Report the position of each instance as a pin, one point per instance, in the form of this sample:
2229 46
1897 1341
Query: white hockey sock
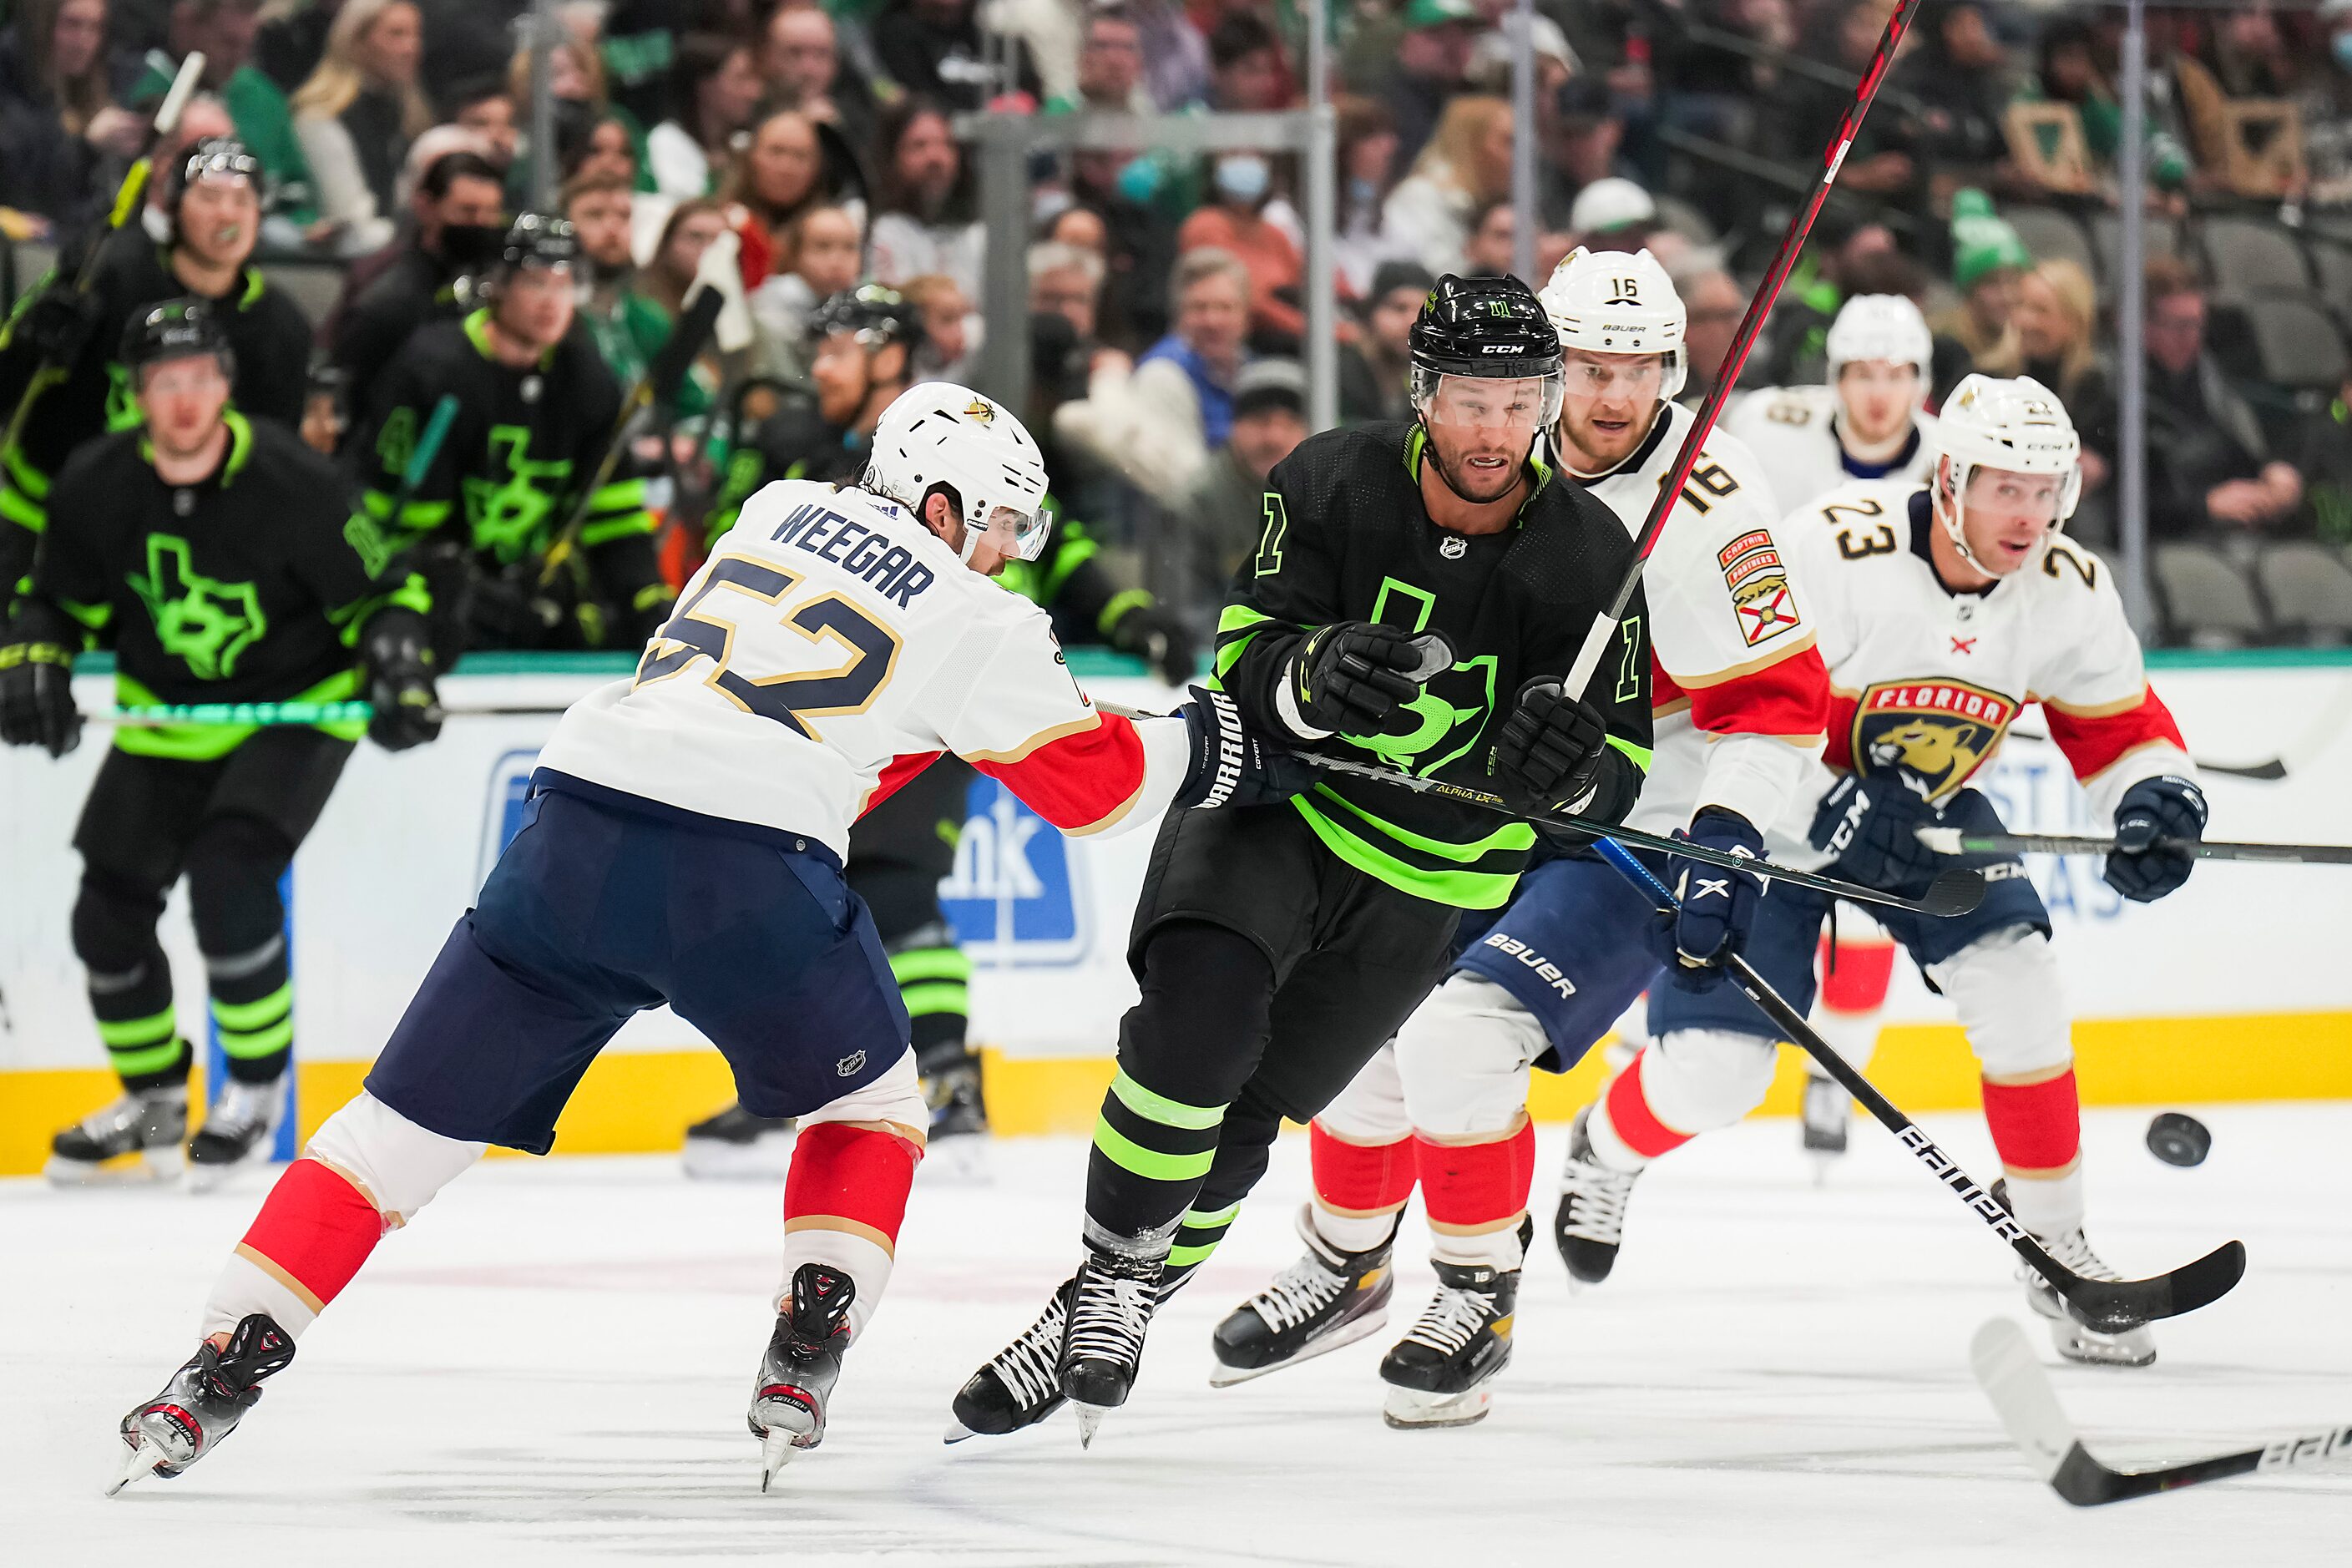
2048 1206
1350 1233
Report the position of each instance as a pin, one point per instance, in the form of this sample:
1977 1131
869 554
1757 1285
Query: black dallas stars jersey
1346 538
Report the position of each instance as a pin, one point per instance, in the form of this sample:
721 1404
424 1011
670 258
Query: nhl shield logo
847 1066
1938 732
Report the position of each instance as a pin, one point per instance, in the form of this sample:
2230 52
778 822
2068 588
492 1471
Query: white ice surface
551 1365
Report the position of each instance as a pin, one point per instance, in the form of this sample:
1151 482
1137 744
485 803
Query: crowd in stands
794 152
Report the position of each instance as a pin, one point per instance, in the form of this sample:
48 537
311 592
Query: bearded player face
1481 429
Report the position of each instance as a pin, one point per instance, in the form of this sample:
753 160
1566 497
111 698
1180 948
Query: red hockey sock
1855 977
846 1177
314 1232
1360 1179
1630 1116
2037 1127
1471 1187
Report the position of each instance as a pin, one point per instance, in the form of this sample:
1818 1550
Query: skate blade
1090 1416
957 1432
212 1178
2135 1349
153 1168
1411 1409
140 1462
1364 1328
777 1449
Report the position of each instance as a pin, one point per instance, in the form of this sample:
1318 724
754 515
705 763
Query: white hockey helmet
1616 302
1881 327
2017 425
939 434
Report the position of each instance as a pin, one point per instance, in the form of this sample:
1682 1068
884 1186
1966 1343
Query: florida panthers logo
1938 732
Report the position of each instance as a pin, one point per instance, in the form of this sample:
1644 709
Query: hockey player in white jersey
1943 610
683 845
1738 698
1867 421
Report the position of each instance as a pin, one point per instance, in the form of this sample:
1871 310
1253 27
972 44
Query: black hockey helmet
1484 327
538 240
879 316
177 329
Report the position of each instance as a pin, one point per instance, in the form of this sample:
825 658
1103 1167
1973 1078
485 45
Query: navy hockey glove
1234 765
1869 828
2153 809
399 674
1352 677
1548 756
1718 904
36 705
1160 638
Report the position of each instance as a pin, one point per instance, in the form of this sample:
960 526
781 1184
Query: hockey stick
1604 629
2108 1306
658 387
2012 1378
2269 772
270 713
1953 892
1954 841
133 191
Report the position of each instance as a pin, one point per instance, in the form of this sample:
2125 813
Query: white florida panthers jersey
1792 431
1737 689
1928 681
831 649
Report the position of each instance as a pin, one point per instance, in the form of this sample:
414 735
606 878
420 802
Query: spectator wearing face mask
457 218
1374 382
923 218
1235 221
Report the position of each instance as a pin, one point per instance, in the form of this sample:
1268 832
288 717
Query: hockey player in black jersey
536 408
211 547
60 343
1418 594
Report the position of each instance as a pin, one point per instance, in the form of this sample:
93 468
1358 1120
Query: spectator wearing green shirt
629 328
224 31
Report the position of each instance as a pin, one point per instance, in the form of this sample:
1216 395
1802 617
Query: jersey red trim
896 776
2095 742
1082 782
1788 699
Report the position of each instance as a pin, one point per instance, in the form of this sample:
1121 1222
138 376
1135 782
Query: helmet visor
1021 535
1476 402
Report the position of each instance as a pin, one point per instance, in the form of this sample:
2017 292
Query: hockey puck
2178 1140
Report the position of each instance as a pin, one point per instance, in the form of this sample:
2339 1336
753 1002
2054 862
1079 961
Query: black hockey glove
59 324
1718 904
1152 633
1548 756
399 675
2153 809
1869 828
1234 765
1351 678
36 705
508 611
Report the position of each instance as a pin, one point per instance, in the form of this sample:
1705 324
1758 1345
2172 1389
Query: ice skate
137 1138
802 1364
203 1402
735 1145
1019 1385
2075 1340
1111 1303
1325 1299
1823 1116
957 1149
1590 1224
240 1131
1441 1374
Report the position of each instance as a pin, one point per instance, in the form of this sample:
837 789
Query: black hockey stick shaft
1952 841
127 198
2109 1306
2012 1378
1735 359
1955 892
657 388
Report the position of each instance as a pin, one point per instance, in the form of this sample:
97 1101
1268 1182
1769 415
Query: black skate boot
136 1139
735 1145
1110 1309
1325 1299
1440 1374
1590 1224
802 1364
1825 1114
239 1132
204 1402
2074 1338
958 1146
1019 1385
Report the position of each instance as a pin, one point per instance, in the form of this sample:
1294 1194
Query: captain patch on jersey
1758 580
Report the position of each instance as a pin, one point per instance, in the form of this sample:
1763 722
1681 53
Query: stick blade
1954 892
2268 773
2113 1306
2012 1379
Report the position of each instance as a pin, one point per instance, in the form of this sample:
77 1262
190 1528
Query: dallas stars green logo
506 515
202 622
